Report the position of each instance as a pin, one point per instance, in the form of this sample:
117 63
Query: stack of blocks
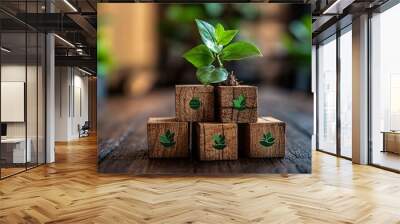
224 118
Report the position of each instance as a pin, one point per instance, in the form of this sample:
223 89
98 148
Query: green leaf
195 103
218 75
267 140
207 33
199 56
210 74
240 50
219 141
167 139
239 103
224 37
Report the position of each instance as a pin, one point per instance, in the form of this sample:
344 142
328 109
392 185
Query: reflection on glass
31 100
41 99
327 96
385 84
345 94
15 151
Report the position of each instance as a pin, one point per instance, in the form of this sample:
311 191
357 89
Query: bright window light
70 5
64 40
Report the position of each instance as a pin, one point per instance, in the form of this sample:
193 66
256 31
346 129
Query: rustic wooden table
123 147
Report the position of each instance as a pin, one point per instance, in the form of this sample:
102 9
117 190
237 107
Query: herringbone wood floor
71 191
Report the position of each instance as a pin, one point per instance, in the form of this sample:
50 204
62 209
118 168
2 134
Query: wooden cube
194 102
216 141
237 104
167 138
265 138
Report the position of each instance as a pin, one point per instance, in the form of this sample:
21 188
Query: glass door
385 89
326 98
345 93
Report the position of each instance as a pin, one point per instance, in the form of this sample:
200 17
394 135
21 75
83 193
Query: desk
15 148
391 141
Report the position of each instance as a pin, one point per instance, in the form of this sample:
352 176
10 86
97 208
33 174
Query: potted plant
235 102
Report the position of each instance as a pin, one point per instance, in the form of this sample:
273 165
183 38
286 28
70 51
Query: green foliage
195 103
223 36
219 141
239 50
208 36
211 74
167 139
199 56
298 41
239 103
267 140
217 47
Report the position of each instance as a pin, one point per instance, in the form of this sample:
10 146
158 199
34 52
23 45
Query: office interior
356 81
48 79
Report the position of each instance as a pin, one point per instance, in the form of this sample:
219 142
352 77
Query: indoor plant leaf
167 139
223 36
211 74
218 75
219 141
267 140
239 103
203 74
240 50
207 33
199 56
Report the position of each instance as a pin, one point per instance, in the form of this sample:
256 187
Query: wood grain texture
204 141
185 93
123 146
227 114
253 133
72 191
159 126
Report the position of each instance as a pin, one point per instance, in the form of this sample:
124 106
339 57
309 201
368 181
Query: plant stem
219 62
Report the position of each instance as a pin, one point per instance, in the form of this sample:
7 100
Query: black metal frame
337 35
387 5
44 70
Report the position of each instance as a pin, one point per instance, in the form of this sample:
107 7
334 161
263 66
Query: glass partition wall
345 91
334 83
327 95
22 98
385 89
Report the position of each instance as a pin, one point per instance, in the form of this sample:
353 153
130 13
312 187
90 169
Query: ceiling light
337 7
70 5
64 40
5 50
84 71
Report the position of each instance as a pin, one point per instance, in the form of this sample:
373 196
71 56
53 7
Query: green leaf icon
219 141
267 140
239 103
195 103
167 139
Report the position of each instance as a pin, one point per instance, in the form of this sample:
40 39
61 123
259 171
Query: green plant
195 103
217 48
219 141
298 41
267 140
167 139
239 103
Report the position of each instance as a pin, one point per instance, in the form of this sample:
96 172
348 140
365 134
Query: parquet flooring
71 191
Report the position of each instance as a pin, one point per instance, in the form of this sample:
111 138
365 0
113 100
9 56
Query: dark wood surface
122 145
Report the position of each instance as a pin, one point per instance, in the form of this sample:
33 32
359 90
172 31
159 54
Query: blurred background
140 46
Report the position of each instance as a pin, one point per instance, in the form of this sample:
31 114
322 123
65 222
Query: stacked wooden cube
224 120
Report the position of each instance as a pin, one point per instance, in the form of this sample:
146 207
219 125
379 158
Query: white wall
71 94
